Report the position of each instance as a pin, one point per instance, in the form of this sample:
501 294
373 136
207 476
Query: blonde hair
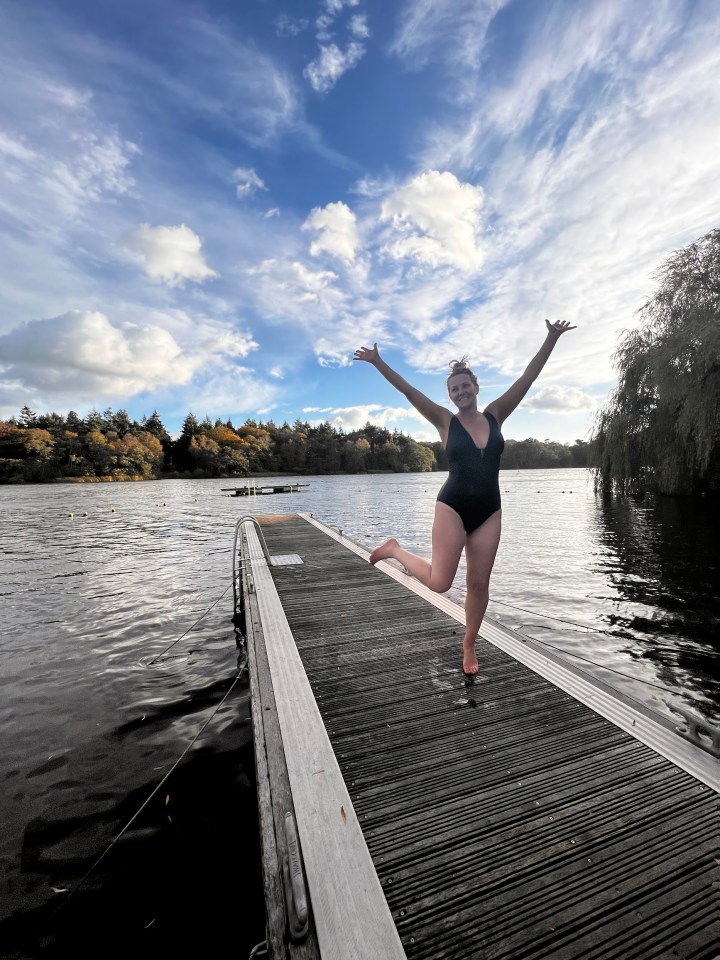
460 366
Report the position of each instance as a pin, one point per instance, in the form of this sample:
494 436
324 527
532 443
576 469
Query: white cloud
324 72
66 173
438 219
430 28
336 340
560 400
171 255
100 166
287 289
359 26
82 355
69 97
12 149
273 212
277 372
247 182
355 417
229 391
334 7
336 225
287 26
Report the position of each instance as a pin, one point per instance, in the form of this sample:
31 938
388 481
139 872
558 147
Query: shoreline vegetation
660 430
110 447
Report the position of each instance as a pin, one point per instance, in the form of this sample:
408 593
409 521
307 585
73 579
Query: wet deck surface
505 819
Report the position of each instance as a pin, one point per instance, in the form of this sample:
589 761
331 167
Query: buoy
112 509
71 514
85 514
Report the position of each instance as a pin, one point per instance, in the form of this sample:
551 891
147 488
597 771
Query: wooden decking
501 819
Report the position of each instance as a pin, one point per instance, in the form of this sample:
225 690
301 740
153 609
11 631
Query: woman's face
462 390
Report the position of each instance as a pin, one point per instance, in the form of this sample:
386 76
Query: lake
118 647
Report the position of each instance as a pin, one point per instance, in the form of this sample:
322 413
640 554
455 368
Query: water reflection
661 562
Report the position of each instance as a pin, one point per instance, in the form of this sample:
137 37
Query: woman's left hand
559 327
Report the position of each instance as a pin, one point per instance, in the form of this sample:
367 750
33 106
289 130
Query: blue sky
208 206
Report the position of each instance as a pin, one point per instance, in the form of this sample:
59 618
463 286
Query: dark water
118 648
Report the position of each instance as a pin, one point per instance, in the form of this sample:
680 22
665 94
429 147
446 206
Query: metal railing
237 581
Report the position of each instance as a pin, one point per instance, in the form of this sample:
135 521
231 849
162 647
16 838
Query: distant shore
248 478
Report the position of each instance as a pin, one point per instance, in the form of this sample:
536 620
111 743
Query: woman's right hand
367 354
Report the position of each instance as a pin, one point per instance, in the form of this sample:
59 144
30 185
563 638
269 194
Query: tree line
112 446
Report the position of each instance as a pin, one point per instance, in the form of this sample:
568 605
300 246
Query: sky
209 206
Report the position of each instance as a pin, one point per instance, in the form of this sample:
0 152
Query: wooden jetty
405 812
256 489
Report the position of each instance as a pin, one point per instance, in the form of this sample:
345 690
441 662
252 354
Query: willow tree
661 427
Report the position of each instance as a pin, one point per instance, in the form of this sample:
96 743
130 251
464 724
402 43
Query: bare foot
470 661
384 551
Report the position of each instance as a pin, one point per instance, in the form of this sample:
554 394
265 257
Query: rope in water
578 656
192 627
175 765
547 616
147 800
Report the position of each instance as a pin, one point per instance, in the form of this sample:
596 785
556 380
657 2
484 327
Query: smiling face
462 391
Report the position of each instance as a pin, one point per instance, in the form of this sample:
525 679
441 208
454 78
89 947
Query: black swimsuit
472 488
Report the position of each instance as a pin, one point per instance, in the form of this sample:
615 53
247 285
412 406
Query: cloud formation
247 182
336 226
287 26
170 255
324 71
83 355
560 400
355 417
438 219
428 29
333 60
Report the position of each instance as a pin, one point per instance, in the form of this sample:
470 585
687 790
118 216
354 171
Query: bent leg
448 540
480 552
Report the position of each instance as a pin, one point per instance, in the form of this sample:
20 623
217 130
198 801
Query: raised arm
438 416
504 405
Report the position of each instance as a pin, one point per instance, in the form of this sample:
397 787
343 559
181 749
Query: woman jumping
467 512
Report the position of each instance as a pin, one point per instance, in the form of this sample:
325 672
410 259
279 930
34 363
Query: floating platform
254 489
406 812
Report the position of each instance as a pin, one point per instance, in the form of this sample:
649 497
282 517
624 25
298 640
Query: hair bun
457 366
460 366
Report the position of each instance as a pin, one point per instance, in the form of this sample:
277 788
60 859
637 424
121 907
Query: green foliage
661 428
111 446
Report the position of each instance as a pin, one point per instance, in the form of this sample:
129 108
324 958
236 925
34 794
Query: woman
467 512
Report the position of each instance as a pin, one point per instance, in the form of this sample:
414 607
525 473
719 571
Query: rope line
583 626
602 666
145 803
546 616
192 627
